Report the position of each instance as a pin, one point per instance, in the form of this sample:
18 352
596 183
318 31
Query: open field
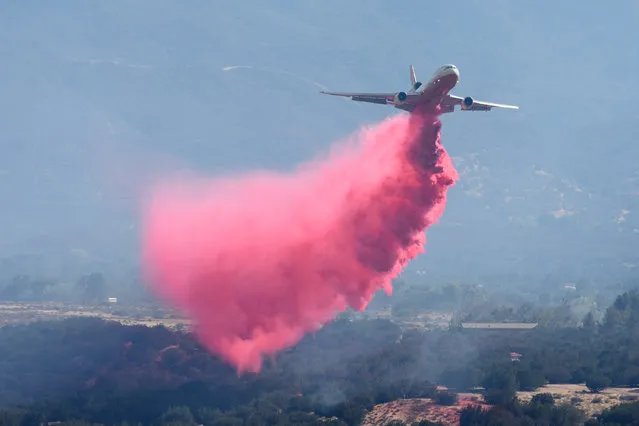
580 396
414 410
153 314
425 320
149 315
499 325
418 409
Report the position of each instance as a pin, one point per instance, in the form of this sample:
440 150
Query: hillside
352 371
98 98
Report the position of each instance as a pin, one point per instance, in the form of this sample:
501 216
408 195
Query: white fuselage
442 82
431 97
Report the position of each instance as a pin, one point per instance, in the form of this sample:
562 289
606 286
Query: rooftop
500 325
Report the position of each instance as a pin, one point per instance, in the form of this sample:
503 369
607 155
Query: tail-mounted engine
400 98
467 103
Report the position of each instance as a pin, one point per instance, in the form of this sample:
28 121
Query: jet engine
400 98
467 103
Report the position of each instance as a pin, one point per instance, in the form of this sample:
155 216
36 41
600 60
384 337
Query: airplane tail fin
413 77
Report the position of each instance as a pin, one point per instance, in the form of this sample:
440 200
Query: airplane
429 95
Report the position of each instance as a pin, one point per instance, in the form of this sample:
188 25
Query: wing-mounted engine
467 103
400 98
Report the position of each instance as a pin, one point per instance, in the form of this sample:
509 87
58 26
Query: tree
92 287
624 414
543 399
461 378
16 289
500 385
178 416
446 398
451 293
623 312
472 415
589 321
566 415
598 383
529 380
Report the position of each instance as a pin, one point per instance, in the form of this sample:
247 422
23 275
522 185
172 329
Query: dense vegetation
545 412
102 372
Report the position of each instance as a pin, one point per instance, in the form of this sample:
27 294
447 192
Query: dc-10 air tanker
427 96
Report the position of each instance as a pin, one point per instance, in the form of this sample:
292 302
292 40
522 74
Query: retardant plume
259 261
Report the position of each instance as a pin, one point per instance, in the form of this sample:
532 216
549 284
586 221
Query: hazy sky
98 97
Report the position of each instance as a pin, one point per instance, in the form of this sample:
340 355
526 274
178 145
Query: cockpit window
444 68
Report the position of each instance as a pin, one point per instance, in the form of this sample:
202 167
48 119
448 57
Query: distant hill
96 98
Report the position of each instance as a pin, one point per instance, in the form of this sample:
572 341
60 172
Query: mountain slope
97 98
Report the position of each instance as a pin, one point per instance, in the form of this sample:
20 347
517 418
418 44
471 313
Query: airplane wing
376 98
451 100
380 98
